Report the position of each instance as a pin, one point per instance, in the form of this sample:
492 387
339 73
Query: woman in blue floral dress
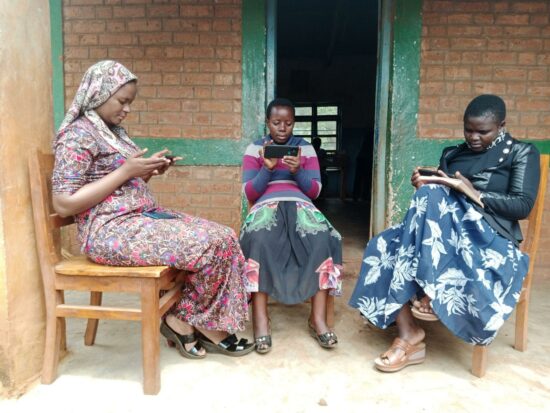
100 177
459 259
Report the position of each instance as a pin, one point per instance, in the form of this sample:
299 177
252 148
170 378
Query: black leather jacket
508 181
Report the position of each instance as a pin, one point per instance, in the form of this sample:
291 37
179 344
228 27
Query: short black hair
486 105
279 102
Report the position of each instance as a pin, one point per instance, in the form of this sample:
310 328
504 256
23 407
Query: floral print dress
115 232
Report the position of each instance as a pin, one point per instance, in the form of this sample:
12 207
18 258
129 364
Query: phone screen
428 172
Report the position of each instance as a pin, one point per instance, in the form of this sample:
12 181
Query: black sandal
230 346
263 344
178 340
325 340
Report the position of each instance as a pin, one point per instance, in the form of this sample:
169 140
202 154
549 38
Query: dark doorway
326 63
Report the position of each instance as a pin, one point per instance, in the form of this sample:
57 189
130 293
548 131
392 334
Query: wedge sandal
230 346
179 341
413 354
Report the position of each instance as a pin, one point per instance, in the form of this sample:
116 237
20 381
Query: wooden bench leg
91 328
522 318
330 311
479 360
150 335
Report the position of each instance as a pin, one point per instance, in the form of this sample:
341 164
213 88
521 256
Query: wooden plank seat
79 273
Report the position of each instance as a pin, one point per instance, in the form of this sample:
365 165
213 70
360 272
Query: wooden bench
530 247
79 273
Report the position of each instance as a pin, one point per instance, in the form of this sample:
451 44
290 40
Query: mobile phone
170 158
280 151
428 171
158 215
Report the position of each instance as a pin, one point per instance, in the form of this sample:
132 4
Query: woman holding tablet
292 252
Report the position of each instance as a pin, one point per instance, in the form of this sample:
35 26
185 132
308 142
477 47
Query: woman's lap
445 248
292 251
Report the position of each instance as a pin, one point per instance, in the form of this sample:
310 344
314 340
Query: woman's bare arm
93 193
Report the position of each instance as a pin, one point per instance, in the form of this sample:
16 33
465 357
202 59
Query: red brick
178 92
490 88
149 79
209 66
164 105
223 79
191 66
98 53
227 11
224 52
201 118
538 75
527 58
115 26
462 87
197 79
439 44
464 30
512 19
484 19
76 52
190 132
469 44
147 39
471 6
164 10
171 79
540 19
204 92
457 72
535 104
231 67
526 44
175 118
191 52
187 38
196 11
458 18
208 39
201 173
104 12
510 74
148 118
527 119
229 39
224 119
500 57
80 12
529 7
518 88
119 53
88 26
144 25
447 118
164 131
539 91
216 106
190 105
128 11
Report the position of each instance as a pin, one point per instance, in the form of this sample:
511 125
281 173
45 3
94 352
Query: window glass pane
327 110
328 143
326 127
304 111
302 129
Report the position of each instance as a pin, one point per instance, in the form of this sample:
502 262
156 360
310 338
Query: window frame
314 118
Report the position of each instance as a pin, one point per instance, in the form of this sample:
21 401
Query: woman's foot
422 309
319 330
224 343
404 351
261 322
182 335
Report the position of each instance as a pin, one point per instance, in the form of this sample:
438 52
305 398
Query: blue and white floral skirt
291 250
446 250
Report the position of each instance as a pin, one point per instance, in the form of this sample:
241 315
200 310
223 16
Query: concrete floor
299 376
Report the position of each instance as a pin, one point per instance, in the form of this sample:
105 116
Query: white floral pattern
472 274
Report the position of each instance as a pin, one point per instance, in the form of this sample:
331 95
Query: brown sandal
414 354
422 315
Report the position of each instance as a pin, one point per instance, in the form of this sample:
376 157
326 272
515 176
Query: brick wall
475 47
187 56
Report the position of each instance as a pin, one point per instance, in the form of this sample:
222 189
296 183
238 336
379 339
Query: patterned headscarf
99 83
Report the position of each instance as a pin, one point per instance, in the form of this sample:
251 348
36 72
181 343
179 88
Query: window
318 120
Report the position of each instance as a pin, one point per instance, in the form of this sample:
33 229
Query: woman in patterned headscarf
100 178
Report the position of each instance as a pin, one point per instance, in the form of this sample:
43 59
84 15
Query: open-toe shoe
263 344
422 315
412 354
229 346
325 340
179 340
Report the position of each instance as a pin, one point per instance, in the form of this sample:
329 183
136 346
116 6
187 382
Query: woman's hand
269 163
467 182
293 162
163 168
415 181
136 166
